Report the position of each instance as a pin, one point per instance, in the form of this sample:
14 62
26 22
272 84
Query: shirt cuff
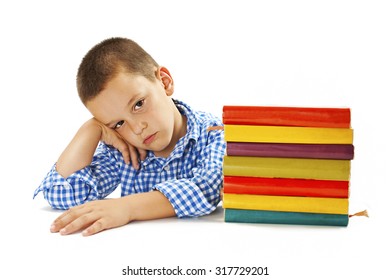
64 193
186 198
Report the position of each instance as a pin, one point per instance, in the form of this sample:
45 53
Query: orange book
287 116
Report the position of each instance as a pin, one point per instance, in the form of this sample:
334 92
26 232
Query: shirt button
166 168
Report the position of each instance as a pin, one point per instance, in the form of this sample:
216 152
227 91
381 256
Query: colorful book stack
287 165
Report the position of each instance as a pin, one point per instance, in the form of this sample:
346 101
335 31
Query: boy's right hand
112 138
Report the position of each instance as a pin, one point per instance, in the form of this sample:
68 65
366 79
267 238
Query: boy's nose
138 127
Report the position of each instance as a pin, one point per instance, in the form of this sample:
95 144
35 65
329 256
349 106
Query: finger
79 223
123 148
65 218
134 156
96 227
112 138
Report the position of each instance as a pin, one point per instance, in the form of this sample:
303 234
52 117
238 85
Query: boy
157 148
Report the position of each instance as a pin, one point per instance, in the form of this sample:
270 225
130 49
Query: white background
294 53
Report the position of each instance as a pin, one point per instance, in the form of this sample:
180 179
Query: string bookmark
361 213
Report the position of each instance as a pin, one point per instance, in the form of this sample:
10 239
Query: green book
278 217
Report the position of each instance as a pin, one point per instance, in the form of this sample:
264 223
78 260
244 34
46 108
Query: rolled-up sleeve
199 194
95 181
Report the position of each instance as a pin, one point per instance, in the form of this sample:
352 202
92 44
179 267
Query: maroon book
320 151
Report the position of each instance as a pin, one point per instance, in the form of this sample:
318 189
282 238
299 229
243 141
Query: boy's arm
197 192
83 173
78 154
96 216
193 196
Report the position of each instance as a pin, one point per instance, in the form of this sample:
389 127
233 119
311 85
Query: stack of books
287 165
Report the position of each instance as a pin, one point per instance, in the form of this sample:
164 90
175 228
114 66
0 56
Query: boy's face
141 111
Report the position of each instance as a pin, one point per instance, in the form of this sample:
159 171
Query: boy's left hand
92 217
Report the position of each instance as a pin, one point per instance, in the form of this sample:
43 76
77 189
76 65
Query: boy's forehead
122 82
121 91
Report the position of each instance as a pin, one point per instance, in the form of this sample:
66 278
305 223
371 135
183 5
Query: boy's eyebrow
127 105
108 124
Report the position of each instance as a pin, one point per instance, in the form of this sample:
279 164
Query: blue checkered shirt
191 177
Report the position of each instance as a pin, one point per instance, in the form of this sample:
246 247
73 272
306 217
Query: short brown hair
107 59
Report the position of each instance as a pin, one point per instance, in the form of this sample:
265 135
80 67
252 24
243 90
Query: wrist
92 127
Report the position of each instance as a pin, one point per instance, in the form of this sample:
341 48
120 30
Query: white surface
293 53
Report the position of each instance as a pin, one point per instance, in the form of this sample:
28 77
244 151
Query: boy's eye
119 124
139 104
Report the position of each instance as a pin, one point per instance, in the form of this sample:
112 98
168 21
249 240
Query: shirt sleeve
95 181
200 194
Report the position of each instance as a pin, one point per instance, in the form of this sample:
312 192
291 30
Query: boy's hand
129 152
93 217
80 151
96 216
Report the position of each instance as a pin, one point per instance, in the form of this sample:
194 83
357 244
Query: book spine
287 116
285 187
321 151
320 169
286 203
285 134
278 217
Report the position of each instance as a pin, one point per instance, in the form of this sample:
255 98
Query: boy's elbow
60 204
60 199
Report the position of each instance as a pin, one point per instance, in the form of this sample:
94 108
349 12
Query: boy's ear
165 77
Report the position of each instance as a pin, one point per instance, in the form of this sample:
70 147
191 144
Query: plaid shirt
191 177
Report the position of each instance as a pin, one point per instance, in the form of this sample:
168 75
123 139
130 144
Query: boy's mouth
149 139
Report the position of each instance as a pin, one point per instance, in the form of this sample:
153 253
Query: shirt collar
193 127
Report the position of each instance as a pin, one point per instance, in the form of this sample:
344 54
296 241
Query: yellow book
302 168
286 203
288 134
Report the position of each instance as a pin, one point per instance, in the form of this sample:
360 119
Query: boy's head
126 90
105 60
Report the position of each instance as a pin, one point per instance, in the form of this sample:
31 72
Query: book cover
278 217
323 151
287 134
298 168
285 187
287 116
286 203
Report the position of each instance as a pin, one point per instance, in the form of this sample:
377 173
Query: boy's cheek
127 136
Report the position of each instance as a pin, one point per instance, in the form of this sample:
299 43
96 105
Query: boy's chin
163 152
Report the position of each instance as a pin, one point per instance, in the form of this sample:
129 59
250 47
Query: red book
285 187
287 116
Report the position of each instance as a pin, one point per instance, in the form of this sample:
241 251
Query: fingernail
63 231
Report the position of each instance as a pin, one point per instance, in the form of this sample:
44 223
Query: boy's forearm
148 206
80 150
